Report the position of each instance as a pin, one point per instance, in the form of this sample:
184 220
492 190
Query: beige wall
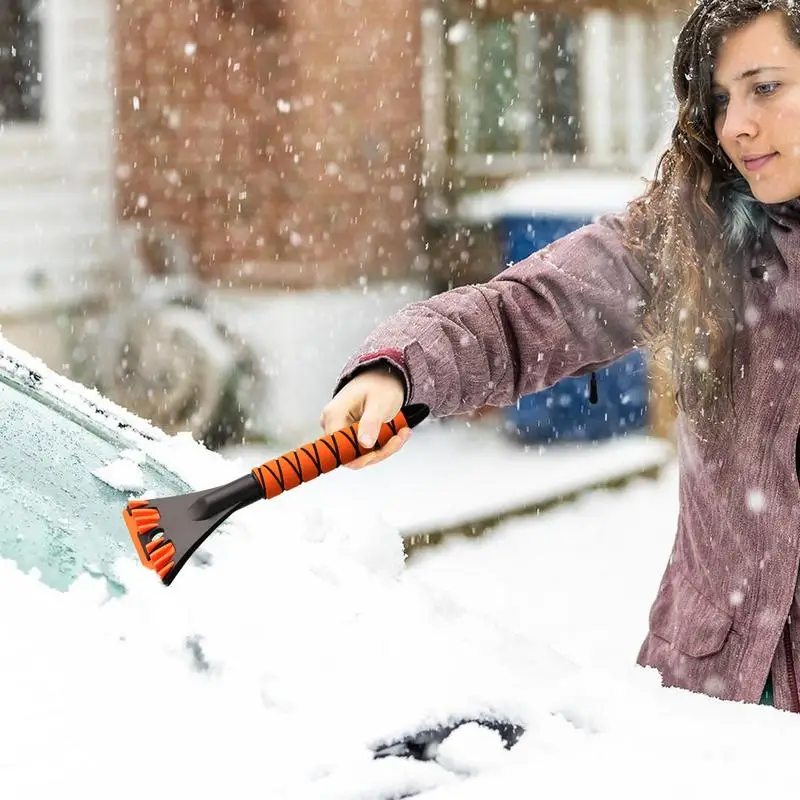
56 208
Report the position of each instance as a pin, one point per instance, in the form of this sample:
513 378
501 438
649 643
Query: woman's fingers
370 399
389 449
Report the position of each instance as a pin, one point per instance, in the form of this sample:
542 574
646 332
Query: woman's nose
739 121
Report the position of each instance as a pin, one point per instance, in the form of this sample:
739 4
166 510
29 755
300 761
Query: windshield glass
57 516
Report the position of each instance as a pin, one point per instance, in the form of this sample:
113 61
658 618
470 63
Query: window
518 83
20 61
508 94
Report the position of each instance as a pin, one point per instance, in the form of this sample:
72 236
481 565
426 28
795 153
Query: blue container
563 412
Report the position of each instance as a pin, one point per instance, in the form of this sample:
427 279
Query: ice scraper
167 530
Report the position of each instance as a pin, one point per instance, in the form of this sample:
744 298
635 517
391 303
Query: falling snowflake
755 501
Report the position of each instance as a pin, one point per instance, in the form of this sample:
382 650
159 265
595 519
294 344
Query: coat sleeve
572 307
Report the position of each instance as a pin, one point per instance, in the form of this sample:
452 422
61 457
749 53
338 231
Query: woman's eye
766 88
719 101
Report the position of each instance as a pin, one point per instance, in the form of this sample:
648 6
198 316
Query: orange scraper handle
328 452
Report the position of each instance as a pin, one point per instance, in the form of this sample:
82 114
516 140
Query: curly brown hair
698 227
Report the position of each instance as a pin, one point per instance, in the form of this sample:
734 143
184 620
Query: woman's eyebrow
749 73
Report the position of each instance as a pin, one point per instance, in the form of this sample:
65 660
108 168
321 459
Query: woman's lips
755 164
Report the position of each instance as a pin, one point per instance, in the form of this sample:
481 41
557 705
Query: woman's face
757 107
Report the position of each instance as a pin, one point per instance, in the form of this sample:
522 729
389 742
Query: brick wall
283 137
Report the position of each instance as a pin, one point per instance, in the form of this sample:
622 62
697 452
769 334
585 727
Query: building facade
309 158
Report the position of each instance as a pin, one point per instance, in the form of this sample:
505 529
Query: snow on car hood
276 668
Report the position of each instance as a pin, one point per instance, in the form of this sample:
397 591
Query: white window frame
619 141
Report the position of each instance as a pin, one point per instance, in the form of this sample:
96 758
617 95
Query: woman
706 264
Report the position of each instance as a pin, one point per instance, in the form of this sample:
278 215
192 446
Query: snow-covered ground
458 471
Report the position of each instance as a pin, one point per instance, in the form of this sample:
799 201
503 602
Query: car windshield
57 516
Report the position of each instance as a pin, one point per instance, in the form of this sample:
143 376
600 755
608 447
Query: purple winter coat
725 612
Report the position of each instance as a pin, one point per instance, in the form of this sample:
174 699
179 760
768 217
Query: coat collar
785 214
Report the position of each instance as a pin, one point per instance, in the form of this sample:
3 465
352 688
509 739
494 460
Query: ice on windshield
59 517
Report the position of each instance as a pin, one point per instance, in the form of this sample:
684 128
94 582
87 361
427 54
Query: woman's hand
371 398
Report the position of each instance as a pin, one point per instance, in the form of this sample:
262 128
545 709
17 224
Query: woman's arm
574 306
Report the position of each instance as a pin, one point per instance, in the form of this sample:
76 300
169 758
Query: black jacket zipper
793 693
